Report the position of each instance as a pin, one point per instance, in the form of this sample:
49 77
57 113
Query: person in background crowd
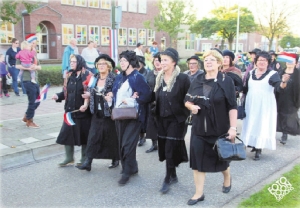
251 66
288 101
69 50
96 46
3 73
194 67
211 99
154 49
151 131
130 89
10 60
89 54
139 49
102 141
234 73
144 72
259 125
170 89
71 135
274 64
148 59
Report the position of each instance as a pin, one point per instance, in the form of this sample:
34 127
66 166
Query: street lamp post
237 30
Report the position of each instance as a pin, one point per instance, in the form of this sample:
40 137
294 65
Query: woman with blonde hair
148 59
211 100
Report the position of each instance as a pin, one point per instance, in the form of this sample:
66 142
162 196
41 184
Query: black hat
193 57
255 50
172 53
107 58
271 52
131 57
138 44
229 53
141 60
216 49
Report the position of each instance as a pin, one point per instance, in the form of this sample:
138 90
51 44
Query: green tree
9 12
224 23
173 14
294 41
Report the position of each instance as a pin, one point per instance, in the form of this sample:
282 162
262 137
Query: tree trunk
222 44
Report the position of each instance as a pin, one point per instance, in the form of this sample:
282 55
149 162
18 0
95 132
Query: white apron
259 126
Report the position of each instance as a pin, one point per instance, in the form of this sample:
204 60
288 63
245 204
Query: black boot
142 139
257 154
153 147
83 150
114 163
87 165
173 178
283 138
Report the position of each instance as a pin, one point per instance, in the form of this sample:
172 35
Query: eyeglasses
262 60
193 63
16 43
123 60
212 60
101 64
73 62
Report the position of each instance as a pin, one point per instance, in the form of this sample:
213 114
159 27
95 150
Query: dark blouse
274 80
164 106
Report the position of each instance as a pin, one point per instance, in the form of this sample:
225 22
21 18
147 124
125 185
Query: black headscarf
80 64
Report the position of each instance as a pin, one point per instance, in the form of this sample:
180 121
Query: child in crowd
3 73
26 57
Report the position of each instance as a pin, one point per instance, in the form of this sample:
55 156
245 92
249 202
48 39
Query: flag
43 94
68 119
286 57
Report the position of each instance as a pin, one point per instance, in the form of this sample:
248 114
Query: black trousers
3 85
128 135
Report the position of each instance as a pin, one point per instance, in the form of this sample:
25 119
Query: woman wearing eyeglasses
259 126
102 140
211 99
130 89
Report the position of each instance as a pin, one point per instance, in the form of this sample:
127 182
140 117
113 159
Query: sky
203 8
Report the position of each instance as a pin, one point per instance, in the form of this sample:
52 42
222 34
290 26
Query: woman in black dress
211 99
170 89
70 136
288 102
102 140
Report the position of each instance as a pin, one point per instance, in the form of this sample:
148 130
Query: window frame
70 35
96 35
140 8
149 42
145 36
105 1
7 40
85 4
126 37
67 3
101 36
190 41
89 1
132 8
124 2
132 44
76 35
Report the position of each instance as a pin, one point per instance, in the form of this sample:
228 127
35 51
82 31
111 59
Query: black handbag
228 151
124 113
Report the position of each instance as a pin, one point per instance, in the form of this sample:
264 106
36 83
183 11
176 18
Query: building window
67 33
132 37
68 2
206 47
94 33
81 34
6 32
80 3
142 36
151 37
94 3
123 4
105 4
143 6
105 35
122 37
132 6
189 41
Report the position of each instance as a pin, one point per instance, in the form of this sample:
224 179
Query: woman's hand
135 95
86 95
108 98
54 97
194 109
83 108
285 78
231 134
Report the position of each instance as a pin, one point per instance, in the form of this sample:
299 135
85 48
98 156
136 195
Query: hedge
50 74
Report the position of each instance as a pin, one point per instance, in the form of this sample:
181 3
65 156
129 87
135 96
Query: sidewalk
20 145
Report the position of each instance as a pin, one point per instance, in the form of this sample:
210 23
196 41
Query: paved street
30 176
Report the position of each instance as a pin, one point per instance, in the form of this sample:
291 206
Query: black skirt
75 135
103 139
171 144
288 123
203 157
151 132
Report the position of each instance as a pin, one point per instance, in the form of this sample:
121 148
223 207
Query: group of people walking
164 98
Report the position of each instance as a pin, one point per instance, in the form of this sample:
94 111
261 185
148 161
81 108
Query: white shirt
90 56
138 52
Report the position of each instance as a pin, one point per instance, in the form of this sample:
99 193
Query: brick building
57 21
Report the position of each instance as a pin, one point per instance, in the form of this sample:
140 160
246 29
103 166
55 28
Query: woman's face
262 63
102 66
211 63
16 44
167 63
73 63
124 63
226 60
157 64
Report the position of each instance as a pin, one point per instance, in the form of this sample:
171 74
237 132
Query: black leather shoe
142 141
152 148
283 138
253 149
195 201
257 154
124 179
226 189
115 163
173 179
165 187
87 165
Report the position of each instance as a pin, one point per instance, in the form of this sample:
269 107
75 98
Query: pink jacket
25 56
